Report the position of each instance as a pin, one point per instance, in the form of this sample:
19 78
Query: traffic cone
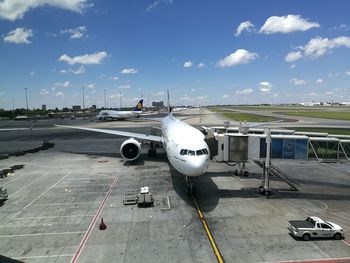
102 225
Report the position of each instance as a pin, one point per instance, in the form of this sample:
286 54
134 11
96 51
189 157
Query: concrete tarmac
56 203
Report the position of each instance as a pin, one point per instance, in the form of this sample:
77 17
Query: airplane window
190 152
205 151
199 152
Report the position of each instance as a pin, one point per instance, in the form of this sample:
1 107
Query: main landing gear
190 187
152 151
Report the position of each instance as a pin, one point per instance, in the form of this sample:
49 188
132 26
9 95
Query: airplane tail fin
169 108
139 106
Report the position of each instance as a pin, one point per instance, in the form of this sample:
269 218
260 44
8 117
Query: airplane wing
140 136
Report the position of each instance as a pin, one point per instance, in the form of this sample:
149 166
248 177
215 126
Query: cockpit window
183 152
190 152
199 152
205 151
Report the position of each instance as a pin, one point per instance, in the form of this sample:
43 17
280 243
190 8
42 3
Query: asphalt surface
56 203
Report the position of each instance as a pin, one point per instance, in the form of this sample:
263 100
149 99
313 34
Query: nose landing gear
190 186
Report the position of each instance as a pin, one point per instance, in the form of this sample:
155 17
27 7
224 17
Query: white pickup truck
315 227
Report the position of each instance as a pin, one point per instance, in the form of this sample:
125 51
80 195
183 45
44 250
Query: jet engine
130 149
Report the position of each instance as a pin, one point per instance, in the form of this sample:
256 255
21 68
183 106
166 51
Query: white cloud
19 36
202 97
124 87
201 65
347 73
286 24
76 33
319 80
265 86
293 56
129 71
57 93
292 66
192 90
329 93
64 84
225 96
44 92
240 56
32 73
188 64
157 94
92 86
93 91
113 78
333 75
297 82
243 92
185 98
95 58
80 70
244 26
15 9
156 3
318 47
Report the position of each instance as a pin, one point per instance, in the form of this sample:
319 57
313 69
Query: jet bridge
261 148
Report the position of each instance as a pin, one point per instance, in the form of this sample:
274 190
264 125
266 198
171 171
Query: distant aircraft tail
139 106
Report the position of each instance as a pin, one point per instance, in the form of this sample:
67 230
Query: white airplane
121 115
184 145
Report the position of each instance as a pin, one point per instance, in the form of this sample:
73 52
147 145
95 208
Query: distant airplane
121 115
184 145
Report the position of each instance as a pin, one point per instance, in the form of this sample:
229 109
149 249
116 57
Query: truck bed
301 224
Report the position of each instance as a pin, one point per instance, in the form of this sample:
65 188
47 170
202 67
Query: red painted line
347 242
93 222
330 260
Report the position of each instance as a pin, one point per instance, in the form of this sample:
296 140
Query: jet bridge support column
266 181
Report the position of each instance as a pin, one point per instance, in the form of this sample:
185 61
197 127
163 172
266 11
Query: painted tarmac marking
326 260
80 185
77 203
74 193
87 178
43 193
44 166
210 236
48 256
93 222
347 242
47 217
28 185
14 179
43 234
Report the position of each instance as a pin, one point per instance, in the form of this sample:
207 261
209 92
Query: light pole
13 104
27 101
83 101
104 93
120 100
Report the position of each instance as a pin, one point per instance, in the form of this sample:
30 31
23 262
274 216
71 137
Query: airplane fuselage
185 147
117 115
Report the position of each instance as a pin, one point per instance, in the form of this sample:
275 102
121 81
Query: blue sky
204 52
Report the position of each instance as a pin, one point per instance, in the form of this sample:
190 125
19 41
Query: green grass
320 114
326 130
238 116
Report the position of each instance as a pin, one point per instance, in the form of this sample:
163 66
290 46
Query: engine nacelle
130 149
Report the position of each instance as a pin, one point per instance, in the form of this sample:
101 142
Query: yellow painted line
207 230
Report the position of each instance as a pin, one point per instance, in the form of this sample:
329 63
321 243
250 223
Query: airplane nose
198 167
